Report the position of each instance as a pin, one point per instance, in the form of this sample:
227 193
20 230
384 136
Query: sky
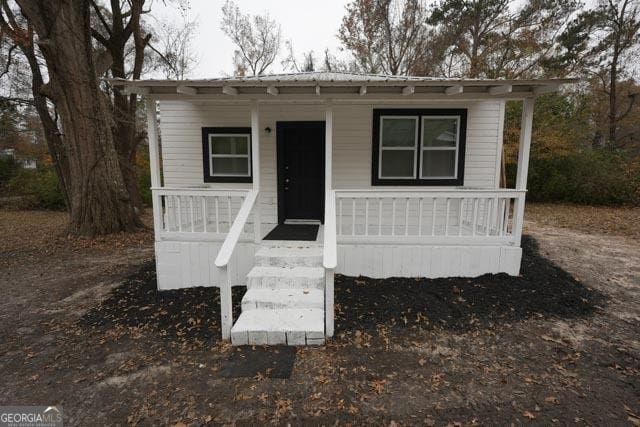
310 25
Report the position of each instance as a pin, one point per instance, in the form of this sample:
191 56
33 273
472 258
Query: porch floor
306 232
272 242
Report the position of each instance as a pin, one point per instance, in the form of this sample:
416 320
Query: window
398 146
418 147
440 136
226 154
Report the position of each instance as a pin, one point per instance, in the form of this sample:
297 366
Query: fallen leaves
632 417
283 407
619 221
378 386
552 399
551 339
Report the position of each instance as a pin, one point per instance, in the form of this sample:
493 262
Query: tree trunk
125 107
52 134
99 202
613 101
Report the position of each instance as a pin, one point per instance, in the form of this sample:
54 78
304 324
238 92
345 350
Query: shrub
9 167
590 177
41 184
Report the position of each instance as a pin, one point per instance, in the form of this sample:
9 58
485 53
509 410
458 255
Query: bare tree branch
258 38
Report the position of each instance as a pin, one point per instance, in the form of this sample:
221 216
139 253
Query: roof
341 84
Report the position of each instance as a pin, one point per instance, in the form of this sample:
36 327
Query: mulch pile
180 315
463 304
193 315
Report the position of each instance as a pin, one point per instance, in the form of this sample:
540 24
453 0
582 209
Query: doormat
268 362
294 232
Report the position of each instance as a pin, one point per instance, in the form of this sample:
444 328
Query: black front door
300 171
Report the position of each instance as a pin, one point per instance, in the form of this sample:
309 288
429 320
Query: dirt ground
83 327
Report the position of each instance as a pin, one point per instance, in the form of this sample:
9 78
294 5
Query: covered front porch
214 234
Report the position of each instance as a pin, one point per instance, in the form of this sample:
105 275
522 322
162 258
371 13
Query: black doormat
294 232
268 362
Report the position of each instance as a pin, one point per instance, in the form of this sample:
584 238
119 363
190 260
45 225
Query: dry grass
31 233
616 221
22 230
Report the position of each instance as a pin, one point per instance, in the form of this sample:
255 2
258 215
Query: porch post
255 168
525 144
154 163
329 223
524 149
328 148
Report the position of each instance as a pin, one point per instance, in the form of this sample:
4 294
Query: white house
278 182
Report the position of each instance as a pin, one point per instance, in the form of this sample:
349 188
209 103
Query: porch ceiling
339 86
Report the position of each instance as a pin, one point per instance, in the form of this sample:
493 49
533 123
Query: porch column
154 162
524 149
525 144
329 223
255 169
328 148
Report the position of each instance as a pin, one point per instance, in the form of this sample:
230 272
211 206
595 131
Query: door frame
281 126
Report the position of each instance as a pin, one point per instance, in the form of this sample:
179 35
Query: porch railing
462 216
186 213
223 258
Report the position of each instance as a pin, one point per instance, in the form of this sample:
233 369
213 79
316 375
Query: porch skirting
382 261
188 264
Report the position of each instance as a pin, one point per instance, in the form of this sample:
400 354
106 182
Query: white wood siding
181 138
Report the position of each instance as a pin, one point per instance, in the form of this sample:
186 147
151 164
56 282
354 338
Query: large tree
498 38
20 35
118 30
603 42
257 39
388 36
98 199
173 46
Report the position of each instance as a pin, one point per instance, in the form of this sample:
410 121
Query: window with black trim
418 146
226 154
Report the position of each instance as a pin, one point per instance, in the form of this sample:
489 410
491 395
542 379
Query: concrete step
281 326
286 277
278 256
262 298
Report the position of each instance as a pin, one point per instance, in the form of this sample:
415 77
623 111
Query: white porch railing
447 217
223 258
207 214
188 213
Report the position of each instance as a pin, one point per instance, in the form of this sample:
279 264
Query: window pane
230 144
439 132
438 163
230 166
398 132
397 164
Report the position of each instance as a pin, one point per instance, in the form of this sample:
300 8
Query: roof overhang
400 88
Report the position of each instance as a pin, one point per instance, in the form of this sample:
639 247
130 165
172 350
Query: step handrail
229 245
329 254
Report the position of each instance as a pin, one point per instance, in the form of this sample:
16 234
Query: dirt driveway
82 326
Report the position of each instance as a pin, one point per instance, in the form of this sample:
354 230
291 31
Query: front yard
82 326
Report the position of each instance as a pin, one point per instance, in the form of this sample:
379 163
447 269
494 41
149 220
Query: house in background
8 152
25 163
279 182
